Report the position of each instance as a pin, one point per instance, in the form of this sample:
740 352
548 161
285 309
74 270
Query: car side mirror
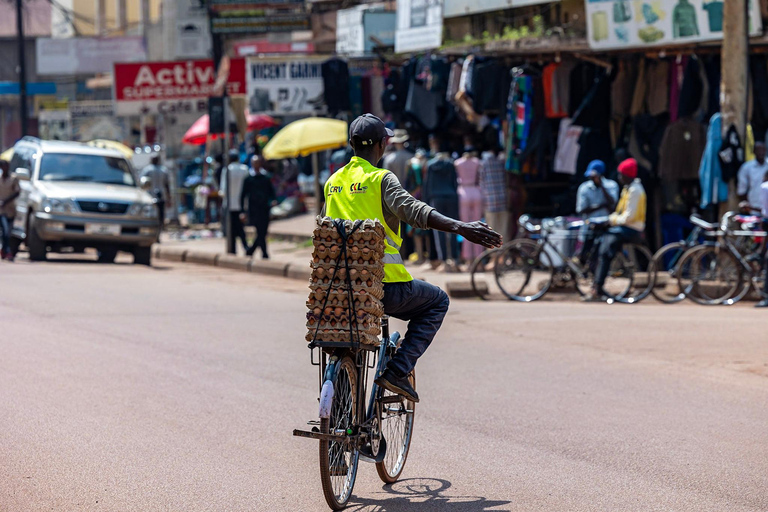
22 174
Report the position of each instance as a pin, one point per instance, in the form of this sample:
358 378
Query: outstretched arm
476 232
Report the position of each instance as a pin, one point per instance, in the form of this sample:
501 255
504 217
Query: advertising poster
628 23
96 120
285 86
174 87
419 25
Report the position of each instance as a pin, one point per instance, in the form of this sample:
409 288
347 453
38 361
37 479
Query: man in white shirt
751 176
232 179
158 183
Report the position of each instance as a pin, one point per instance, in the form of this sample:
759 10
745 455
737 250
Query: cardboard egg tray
329 316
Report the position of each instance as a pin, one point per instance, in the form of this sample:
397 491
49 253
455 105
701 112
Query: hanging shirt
751 177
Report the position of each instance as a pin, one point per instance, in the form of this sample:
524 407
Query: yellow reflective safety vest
354 193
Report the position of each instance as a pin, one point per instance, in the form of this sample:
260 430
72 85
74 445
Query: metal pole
231 249
24 112
318 189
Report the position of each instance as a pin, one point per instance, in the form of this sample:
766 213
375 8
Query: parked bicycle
358 421
526 269
724 271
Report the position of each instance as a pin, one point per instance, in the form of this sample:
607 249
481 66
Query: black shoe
762 304
399 385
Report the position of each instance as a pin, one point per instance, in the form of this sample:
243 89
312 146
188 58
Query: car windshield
90 168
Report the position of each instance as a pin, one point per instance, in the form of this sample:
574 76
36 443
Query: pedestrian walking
257 198
9 191
154 178
232 189
414 182
397 160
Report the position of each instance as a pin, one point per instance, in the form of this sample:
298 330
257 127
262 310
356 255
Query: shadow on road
422 494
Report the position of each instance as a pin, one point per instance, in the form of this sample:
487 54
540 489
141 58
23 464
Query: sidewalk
290 252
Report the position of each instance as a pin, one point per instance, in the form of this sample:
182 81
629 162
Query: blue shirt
590 196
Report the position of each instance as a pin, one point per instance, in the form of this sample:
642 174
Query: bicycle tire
621 276
337 488
391 467
519 269
667 261
637 257
708 266
488 253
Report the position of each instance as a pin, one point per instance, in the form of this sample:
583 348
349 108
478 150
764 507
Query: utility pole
734 89
22 69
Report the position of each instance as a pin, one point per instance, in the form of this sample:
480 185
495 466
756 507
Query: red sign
143 86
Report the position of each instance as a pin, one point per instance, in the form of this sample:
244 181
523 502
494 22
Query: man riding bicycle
362 191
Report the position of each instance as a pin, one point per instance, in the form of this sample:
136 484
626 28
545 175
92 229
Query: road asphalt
177 388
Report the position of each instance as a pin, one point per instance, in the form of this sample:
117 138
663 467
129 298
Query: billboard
419 25
96 120
454 8
356 29
638 23
86 55
285 86
171 87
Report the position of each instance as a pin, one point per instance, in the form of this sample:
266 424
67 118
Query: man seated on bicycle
595 198
362 191
626 224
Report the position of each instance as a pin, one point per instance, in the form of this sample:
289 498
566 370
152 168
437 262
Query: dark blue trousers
612 242
424 307
5 229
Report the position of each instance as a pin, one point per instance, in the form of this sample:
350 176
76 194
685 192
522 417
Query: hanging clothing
691 90
713 189
681 150
519 118
490 83
676 75
731 154
470 200
454 79
555 104
567 147
336 85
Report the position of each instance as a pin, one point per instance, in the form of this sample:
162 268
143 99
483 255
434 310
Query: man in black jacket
257 197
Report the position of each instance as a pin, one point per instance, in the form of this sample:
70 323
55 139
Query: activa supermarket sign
171 87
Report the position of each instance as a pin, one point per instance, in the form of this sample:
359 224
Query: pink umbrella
198 132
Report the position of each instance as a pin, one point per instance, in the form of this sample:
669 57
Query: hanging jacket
713 189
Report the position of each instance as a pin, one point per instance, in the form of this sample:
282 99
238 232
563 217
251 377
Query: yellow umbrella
306 136
7 154
111 144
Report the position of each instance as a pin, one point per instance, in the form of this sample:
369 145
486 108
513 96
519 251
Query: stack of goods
330 316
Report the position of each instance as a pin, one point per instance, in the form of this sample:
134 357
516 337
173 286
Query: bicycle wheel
665 268
479 267
524 272
339 459
712 275
397 428
636 260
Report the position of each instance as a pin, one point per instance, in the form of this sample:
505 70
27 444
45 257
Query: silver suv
78 196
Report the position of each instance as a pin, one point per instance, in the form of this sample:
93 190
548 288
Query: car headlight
59 206
148 211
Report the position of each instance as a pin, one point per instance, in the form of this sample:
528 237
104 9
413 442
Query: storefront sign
638 23
358 29
171 87
419 25
455 8
260 24
244 5
96 120
280 86
86 55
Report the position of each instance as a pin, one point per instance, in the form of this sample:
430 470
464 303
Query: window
87 168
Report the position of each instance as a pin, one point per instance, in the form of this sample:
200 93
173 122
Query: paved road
176 388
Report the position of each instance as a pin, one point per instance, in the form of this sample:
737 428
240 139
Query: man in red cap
626 224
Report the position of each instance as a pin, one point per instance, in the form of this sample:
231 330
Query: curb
269 268
201 258
233 262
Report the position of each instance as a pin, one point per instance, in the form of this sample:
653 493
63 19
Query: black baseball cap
368 130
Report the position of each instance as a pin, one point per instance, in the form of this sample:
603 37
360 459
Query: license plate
102 229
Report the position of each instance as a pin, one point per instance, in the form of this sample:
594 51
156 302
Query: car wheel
36 245
107 255
142 256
